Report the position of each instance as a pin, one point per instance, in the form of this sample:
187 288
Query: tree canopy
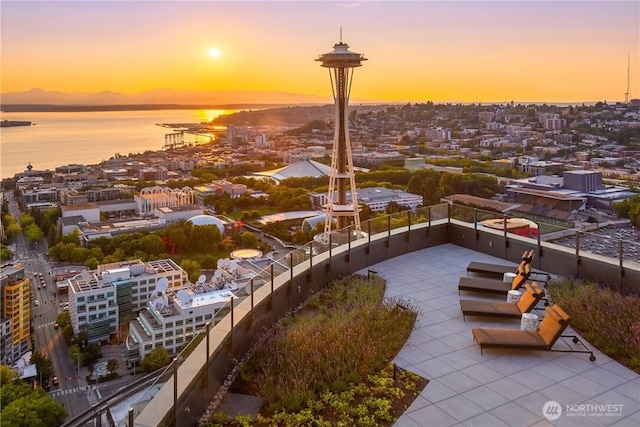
158 358
23 406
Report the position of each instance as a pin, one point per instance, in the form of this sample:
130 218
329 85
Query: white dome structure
207 220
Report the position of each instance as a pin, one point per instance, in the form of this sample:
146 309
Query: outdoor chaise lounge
496 271
550 330
492 286
531 297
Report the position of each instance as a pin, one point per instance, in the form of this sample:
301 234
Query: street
49 341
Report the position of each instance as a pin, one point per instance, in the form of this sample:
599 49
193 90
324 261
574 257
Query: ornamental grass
318 358
607 319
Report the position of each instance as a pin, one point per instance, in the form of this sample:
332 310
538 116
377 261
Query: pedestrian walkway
92 397
62 392
502 387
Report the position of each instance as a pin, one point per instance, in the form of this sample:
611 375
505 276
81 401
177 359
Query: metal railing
193 381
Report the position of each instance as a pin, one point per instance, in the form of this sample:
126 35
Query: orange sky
417 51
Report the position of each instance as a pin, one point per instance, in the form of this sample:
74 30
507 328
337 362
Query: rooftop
502 387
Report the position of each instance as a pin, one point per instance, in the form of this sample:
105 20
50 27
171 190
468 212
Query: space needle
341 63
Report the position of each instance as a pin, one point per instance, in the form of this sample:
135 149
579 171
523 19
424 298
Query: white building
173 317
377 198
103 299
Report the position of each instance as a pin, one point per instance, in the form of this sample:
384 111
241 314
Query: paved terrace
502 387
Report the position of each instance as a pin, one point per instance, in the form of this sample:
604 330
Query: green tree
158 358
12 229
52 235
12 392
209 262
91 354
33 233
5 253
7 375
112 365
152 244
35 410
63 319
192 268
43 365
248 240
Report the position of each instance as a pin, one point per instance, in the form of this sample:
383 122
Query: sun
214 53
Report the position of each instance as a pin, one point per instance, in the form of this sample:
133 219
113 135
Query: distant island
13 123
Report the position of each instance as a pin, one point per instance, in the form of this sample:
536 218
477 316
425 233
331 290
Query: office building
102 300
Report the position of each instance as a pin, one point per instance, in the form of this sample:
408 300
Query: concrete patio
502 387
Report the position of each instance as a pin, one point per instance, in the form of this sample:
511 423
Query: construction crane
626 94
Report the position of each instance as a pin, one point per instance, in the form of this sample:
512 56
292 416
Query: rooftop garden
607 319
329 362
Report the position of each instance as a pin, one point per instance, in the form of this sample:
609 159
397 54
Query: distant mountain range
38 99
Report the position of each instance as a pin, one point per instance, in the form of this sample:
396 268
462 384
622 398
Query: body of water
62 138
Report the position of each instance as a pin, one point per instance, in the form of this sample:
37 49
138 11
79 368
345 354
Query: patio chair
496 271
527 302
492 286
550 330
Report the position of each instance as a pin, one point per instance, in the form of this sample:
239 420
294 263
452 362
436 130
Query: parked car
55 381
56 326
36 303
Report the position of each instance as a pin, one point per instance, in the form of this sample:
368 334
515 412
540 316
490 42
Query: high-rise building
341 62
15 315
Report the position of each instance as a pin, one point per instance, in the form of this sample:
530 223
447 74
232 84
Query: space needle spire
341 62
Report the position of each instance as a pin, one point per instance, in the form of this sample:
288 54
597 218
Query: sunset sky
466 51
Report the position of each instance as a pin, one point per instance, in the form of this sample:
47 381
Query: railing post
252 297
429 215
175 391
208 352
310 255
131 418
232 322
475 228
506 239
349 238
369 230
206 360
620 253
291 266
577 253
539 248
409 220
271 295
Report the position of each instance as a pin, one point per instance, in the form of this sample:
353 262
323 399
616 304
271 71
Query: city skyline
442 51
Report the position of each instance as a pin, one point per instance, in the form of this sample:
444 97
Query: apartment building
15 313
103 299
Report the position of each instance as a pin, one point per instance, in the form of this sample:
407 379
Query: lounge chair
492 286
496 271
531 297
550 330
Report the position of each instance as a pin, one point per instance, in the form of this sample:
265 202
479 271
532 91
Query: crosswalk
92 398
62 392
92 395
45 325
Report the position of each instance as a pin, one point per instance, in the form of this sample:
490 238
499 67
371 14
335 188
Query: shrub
608 320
